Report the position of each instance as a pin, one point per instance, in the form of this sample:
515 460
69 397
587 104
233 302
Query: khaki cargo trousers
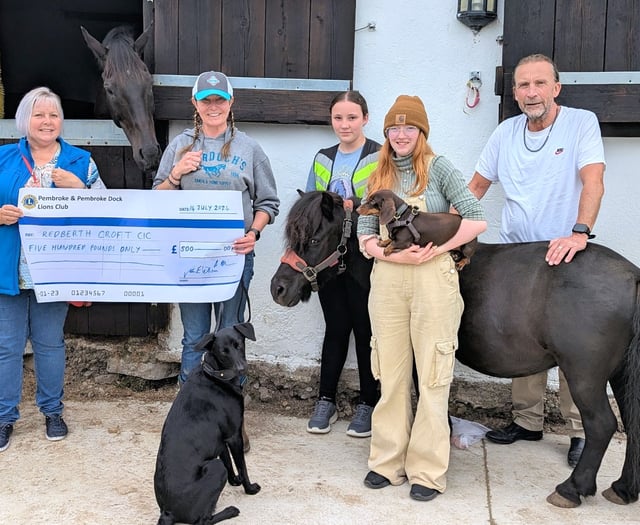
415 314
527 394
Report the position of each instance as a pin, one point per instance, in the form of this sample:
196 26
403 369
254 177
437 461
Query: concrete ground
103 473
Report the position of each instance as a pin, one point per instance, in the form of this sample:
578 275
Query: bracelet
256 232
174 184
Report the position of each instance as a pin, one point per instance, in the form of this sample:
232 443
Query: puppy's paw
252 488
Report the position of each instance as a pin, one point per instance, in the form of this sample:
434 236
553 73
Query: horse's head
128 90
314 230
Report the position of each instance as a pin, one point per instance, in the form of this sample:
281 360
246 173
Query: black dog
203 425
406 225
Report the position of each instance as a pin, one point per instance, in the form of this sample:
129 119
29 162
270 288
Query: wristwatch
583 228
256 232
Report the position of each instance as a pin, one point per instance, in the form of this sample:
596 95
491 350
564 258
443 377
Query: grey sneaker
323 415
5 435
56 428
360 425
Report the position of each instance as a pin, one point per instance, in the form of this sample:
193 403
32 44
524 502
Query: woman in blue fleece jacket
40 159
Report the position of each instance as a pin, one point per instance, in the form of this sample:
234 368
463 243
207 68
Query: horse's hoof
560 501
611 495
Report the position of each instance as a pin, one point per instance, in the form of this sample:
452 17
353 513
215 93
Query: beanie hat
212 83
407 111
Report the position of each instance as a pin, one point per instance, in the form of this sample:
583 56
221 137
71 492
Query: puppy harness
398 222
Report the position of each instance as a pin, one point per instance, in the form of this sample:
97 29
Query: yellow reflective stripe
360 177
323 174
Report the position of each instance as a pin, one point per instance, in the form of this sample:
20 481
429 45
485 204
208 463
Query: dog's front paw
252 488
227 513
234 480
389 250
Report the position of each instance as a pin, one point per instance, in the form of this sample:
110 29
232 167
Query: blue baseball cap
212 83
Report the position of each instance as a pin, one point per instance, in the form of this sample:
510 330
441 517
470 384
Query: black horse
521 317
128 92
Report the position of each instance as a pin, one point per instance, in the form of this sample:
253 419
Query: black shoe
511 433
373 480
575 451
422 493
56 428
5 435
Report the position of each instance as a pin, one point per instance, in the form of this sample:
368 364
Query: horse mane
305 217
122 57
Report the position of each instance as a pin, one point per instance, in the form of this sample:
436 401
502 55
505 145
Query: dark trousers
344 305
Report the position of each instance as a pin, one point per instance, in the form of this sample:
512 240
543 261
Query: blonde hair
385 175
197 126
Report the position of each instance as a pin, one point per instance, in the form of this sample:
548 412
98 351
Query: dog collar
403 207
221 375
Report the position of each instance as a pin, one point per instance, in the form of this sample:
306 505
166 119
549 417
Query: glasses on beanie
409 131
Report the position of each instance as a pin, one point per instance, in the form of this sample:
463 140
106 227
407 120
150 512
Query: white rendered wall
430 56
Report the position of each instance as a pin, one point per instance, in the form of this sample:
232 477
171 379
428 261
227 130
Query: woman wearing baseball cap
199 158
415 308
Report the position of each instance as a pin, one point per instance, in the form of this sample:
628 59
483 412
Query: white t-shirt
542 187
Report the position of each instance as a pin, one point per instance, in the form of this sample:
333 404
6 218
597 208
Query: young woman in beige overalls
415 308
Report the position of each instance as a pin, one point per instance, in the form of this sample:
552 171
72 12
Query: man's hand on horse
564 248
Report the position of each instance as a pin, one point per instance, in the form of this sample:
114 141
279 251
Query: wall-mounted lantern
477 13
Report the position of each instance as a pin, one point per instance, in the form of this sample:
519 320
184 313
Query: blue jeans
22 318
196 319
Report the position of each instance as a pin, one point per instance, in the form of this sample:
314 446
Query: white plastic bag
465 433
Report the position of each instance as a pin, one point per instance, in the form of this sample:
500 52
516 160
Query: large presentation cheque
132 245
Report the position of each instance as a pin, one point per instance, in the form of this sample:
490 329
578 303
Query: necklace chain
524 134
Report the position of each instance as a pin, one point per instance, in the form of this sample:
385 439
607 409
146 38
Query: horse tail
632 398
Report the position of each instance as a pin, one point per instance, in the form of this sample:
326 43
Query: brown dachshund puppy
407 225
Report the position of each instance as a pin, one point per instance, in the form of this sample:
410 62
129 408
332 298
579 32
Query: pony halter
336 257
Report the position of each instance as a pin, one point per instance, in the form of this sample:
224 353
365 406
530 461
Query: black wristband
173 183
256 232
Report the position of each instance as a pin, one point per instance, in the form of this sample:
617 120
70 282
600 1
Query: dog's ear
387 211
246 329
300 192
205 342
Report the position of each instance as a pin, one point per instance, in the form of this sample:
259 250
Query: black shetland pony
128 92
521 317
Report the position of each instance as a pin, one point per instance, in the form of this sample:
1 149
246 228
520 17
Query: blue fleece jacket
13 176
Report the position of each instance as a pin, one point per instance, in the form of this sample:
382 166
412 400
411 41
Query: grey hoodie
246 169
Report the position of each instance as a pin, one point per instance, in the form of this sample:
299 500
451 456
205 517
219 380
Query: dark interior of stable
41 45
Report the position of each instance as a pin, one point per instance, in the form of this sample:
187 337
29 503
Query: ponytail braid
227 145
197 126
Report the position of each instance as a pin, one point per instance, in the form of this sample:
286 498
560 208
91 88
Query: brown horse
128 92
521 317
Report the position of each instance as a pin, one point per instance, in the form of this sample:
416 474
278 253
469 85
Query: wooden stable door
598 37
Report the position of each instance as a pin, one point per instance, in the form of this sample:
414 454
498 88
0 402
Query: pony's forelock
305 218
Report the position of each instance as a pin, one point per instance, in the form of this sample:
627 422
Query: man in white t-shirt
550 162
